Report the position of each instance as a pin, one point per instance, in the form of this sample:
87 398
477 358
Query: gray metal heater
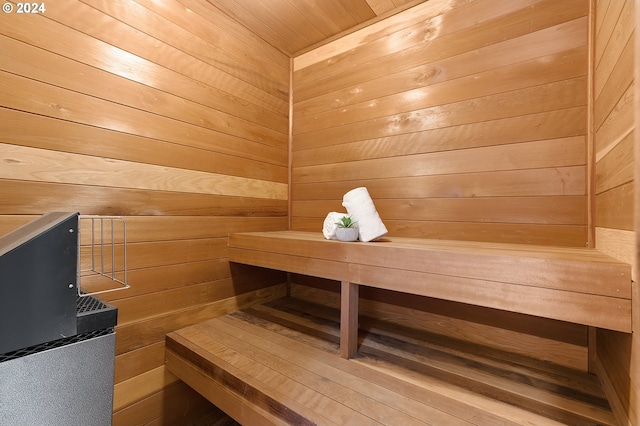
57 346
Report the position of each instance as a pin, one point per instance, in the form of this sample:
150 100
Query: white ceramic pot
347 234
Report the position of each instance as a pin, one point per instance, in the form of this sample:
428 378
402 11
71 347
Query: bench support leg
349 319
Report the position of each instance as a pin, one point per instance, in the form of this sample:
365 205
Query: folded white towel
360 206
329 227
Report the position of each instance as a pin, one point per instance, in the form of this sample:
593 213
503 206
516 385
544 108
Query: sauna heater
57 344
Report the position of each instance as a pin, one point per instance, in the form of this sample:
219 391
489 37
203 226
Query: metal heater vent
53 344
89 304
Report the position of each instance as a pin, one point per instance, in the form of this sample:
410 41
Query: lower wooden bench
578 285
264 379
279 364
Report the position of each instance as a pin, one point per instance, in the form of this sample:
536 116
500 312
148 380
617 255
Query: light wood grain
618 123
616 208
59 103
531 155
53 134
376 30
452 79
616 168
31 197
538 182
422 45
547 210
567 94
83 78
42 165
471 135
474 81
613 38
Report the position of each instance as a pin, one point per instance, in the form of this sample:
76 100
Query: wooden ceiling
293 26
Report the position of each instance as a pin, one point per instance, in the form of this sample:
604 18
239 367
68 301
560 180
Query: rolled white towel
329 227
360 206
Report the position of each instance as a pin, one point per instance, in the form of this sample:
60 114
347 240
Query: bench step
279 364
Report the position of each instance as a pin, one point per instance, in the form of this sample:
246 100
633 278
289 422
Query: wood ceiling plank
380 6
293 26
244 14
360 10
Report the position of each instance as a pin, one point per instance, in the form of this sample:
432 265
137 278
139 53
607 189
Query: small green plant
346 222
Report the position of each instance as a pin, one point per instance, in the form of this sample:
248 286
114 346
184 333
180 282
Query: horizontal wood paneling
615 121
33 164
449 119
173 116
452 33
529 182
22 197
150 331
493 232
555 210
179 404
527 155
50 133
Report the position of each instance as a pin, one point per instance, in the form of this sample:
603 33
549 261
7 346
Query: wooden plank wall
175 118
615 121
465 120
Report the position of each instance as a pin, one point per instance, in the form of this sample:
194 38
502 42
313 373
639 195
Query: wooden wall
176 119
615 119
465 120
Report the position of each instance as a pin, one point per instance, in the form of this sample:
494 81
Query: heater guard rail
103 245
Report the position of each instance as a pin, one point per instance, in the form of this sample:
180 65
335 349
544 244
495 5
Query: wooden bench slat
439 401
577 285
577 269
230 402
589 309
317 319
495 380
197 350
339 388
343 397
276 373
385 392
562 395
310 266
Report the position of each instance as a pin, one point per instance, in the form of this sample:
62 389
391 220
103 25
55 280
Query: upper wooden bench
578 285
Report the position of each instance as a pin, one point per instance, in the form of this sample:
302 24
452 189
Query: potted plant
347 229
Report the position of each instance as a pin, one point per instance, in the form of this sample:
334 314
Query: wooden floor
399 376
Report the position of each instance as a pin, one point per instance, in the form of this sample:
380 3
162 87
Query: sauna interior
484 121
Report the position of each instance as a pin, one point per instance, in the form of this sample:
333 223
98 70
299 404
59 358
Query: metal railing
105 243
